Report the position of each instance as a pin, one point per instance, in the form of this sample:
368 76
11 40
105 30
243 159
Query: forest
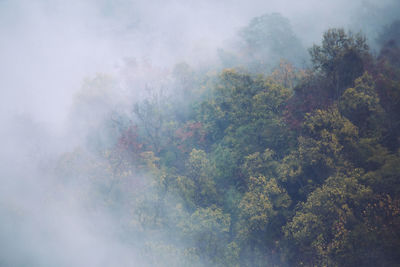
265 164
271 154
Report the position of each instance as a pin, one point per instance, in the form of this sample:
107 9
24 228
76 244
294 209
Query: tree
261 164
151 114
341 58
324 148
261 216
362 107
197 187
268 38
322 230
260 205
388 89
208 229
285 74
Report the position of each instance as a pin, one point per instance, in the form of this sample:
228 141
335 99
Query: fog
48 49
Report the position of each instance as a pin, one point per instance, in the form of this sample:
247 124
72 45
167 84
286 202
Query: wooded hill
290 167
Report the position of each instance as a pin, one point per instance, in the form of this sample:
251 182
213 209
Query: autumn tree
323 229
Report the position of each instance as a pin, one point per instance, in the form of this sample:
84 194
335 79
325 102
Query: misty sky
48 47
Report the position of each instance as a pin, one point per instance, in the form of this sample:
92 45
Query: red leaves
129 140
191 134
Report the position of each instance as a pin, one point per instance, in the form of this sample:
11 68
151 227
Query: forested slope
291 166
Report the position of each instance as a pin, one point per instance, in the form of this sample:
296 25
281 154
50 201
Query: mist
72 41
70 74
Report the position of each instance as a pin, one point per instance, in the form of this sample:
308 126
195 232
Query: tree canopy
299 167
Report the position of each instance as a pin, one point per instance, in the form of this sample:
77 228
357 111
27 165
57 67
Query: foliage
341 58
263 43
295 168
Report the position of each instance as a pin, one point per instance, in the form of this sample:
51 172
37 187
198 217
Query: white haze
48 47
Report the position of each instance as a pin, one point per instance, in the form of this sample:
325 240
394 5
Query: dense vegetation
292 167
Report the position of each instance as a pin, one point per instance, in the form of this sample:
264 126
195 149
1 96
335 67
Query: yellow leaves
326 151
187 190
260 164
363 95
285 74
384 212
150 161
328 137
208 229
303 226
329 120
198 160
197 187
261 203
290 167
271 99
325 214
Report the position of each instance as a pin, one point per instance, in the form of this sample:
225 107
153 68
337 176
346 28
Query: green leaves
260 209
340 59
197 187
208 230
242 171
361 105
267 39
322 226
